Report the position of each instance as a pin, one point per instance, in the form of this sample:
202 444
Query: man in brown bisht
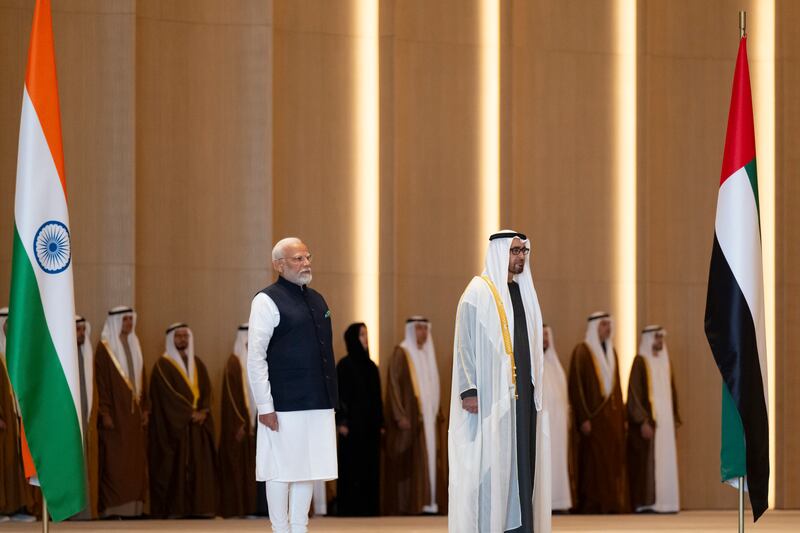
16 496
596 399
88 413
183 480
237 440
415 479
652 419
122 417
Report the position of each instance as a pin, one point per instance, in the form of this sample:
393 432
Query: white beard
299 279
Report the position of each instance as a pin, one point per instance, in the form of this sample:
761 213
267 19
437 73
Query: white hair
281 245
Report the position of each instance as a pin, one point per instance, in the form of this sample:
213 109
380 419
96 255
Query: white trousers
288 505
320 499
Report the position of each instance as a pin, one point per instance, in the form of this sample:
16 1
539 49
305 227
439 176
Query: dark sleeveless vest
302 370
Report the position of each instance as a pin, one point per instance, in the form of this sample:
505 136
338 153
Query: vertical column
366 146
203 177
316 165
762 29
490 116
787 312
563 153
439 235
625 197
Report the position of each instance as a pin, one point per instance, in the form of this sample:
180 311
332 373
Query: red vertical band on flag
40 80
740 139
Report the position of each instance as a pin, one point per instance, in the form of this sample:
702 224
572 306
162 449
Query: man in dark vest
293 378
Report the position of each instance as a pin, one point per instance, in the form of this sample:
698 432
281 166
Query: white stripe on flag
40 198
739 237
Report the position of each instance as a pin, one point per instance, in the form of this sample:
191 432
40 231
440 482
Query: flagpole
742 33
45 515
741 504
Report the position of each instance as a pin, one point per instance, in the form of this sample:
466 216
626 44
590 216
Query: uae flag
42 351
734 321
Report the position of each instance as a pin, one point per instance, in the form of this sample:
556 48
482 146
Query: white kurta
484 487
304 447
556 404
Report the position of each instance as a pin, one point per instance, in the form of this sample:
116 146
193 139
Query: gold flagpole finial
742 24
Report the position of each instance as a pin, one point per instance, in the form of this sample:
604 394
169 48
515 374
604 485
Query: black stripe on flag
732 336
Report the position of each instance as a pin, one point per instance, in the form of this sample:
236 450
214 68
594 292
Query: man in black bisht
359 421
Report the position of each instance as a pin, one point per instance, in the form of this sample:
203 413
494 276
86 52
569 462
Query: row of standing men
174 424
149 445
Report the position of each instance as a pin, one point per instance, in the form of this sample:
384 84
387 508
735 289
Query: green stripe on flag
733 463
750 168
48 409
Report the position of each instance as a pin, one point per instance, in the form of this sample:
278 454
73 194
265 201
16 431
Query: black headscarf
353 343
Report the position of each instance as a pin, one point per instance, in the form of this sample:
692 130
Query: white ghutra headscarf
496 268
604 360
240 351
110 338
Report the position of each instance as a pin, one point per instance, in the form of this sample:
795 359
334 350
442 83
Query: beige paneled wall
787 168
15 22
95 56
437 241
561 143
314 149
204 169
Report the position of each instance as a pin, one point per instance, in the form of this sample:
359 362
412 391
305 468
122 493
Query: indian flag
42 347
734 319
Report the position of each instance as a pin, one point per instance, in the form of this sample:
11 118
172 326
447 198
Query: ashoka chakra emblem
52 247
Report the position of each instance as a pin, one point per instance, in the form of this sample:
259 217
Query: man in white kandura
499 448
292 374
652 419
556 403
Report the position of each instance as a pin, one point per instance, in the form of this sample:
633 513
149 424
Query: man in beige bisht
599 415
414 466
123 417
237 439
183 461
499 435
652 419
556 403
88 412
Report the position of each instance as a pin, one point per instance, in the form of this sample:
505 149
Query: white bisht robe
484 485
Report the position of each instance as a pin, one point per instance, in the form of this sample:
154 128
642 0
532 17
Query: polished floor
686 522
